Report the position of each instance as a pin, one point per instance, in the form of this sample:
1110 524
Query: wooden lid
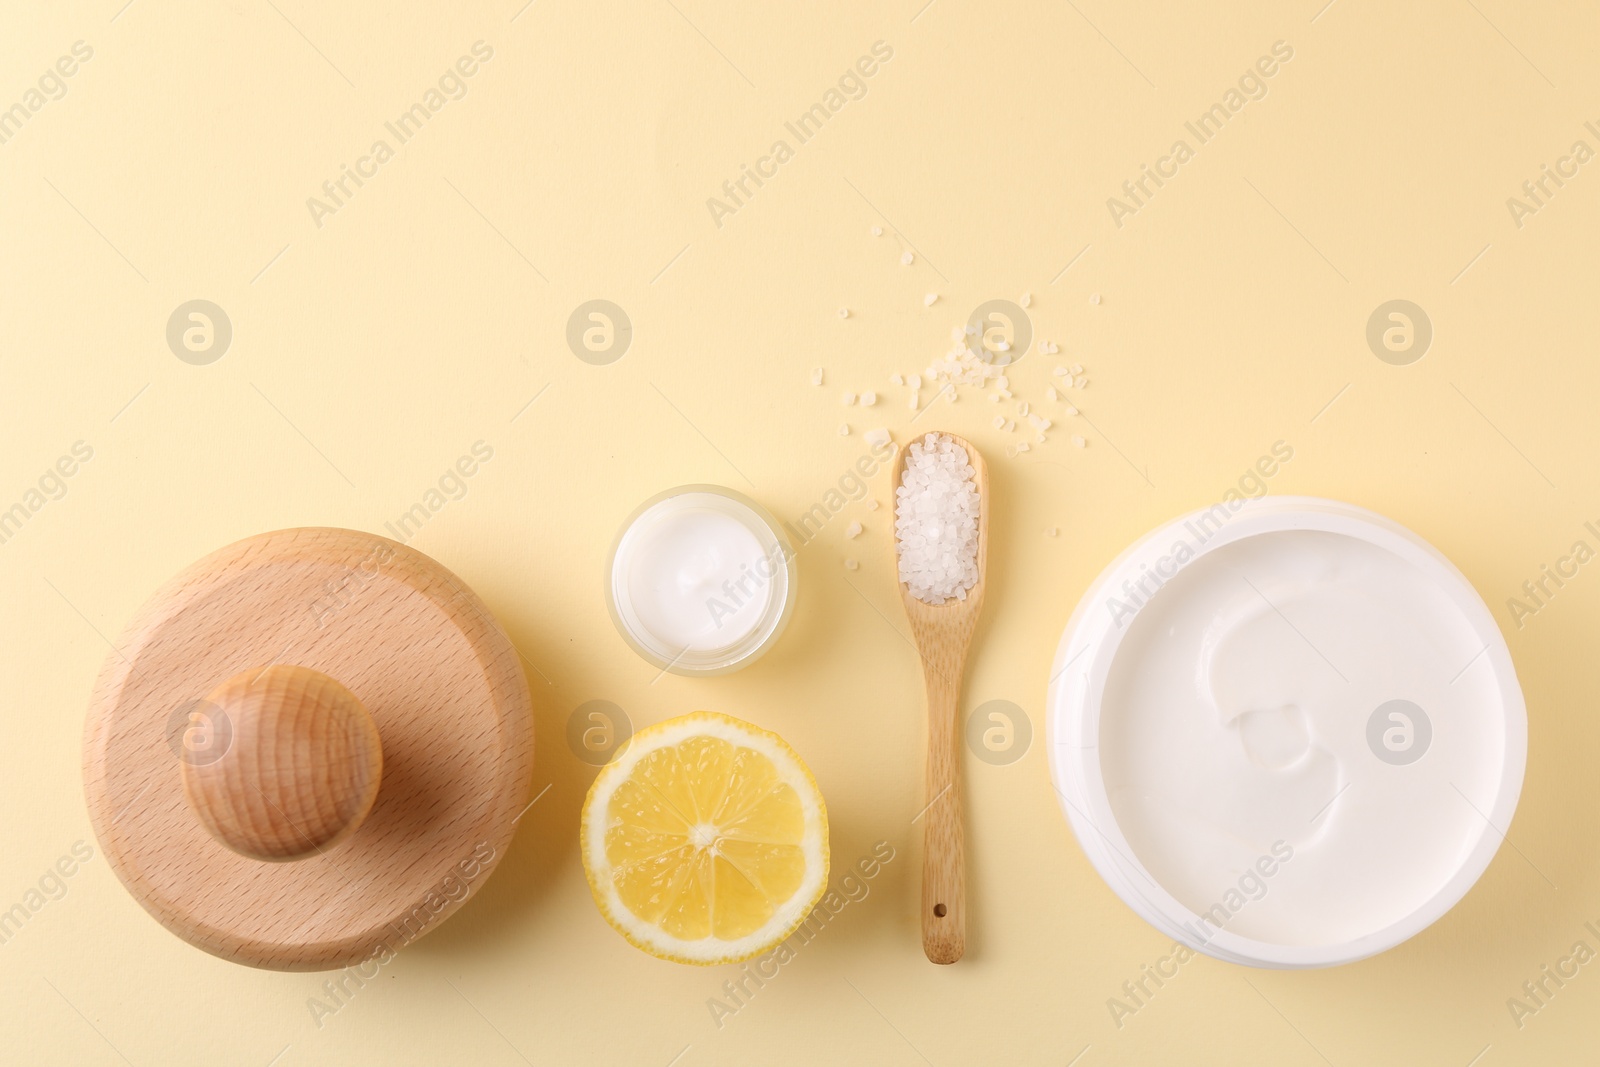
416 649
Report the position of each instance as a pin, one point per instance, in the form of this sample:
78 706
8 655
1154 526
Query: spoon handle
944 921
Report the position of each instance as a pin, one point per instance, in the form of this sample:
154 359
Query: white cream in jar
700 580
1287 733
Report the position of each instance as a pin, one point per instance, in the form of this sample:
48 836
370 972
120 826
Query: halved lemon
706 840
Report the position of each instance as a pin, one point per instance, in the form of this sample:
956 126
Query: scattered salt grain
1080 442
1011 424
1002 382
907 258
915 381
1042 439
1027 300
1022 407
1061 372
994 398
949 394
848 399
877 231
872 505
999 422
929 299
851 565
1052 531
1050 394
1077 368
936 520
895 379
816 375
844 429
1071 410
844 313
868 399
853 530
915 402
957 333
877 438
1022 446
1095 299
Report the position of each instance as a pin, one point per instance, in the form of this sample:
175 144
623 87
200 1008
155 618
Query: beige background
424 315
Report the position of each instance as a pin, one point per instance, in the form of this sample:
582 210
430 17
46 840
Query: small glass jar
700 580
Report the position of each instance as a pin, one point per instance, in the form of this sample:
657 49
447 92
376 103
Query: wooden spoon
942 633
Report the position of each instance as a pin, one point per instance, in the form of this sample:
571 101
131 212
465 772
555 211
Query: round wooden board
421 652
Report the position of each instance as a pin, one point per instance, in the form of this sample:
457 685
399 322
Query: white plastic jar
1287 733
700 580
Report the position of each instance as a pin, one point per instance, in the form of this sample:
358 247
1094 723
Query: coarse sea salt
936 520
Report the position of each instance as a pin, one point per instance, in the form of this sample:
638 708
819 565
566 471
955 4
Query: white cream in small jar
701 580
1287 732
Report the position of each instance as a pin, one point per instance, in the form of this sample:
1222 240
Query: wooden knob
293 765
